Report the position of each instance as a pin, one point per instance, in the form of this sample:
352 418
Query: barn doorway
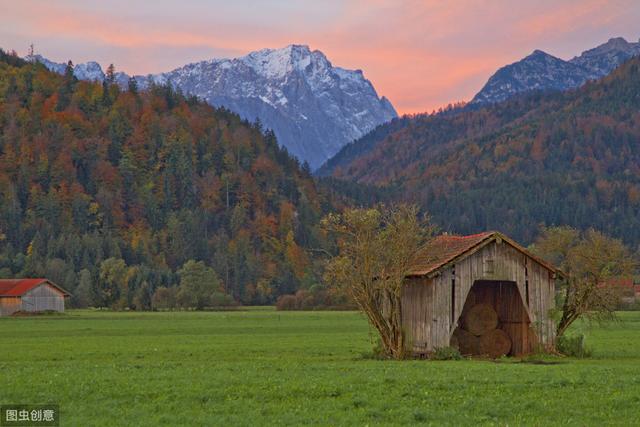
494 321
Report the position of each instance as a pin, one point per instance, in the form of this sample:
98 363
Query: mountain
558 158
541 71
91 70
603 59
110 192
538 71
313 107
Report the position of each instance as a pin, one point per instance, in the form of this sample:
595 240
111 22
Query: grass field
262 367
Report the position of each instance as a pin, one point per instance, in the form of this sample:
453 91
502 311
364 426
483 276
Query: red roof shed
30 295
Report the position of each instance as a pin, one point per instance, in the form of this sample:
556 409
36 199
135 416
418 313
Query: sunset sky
420 54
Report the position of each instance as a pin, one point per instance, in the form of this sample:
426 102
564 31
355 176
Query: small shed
486 279
30 295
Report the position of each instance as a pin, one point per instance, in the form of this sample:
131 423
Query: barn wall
495 262
417 313
44 297
9 305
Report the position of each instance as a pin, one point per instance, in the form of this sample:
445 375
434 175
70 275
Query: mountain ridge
542 71
313 107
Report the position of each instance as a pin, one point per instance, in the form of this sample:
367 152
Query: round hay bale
453 342
480 319
467 342
495 343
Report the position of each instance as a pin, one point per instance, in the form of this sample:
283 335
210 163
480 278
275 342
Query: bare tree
588 260
376 250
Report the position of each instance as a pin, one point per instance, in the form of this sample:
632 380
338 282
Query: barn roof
18 287
446 249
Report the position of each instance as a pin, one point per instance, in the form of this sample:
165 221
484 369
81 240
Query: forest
114 194
554 158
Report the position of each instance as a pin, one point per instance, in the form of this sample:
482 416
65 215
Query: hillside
110 192
556 158
313 107
538 72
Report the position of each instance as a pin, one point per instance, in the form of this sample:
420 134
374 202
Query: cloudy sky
420 54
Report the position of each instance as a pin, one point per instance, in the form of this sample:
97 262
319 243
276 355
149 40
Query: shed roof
18 287
446 249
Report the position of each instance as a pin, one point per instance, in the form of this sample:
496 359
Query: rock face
541 71
537 71
603 59
313 107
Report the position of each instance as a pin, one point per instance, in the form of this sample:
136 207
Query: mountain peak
540 55
613 44
617 41
542 71
603 59
538 52
277 63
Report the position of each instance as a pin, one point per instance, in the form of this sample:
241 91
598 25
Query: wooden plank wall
44 297
541 301
424 298
417 313
9 305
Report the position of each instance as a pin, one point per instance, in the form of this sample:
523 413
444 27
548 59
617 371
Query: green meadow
263 367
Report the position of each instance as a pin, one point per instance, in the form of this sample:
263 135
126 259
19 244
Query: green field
262 367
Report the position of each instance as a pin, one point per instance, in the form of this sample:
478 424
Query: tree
113 281
588 261
143 298
133 85
164 298
66 89
110 75
376 249
198 284
83 294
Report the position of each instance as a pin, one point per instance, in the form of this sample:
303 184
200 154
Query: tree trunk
388 324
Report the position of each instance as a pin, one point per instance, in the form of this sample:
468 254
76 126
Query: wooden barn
30 295
483 293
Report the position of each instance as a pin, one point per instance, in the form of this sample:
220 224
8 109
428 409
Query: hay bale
467 342
495 343
453 342
480 319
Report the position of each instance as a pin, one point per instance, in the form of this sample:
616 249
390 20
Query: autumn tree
588 260
198 285
376 249
113 281
110 75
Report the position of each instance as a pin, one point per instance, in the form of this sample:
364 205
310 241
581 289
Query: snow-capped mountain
313 107
86 71
541 71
